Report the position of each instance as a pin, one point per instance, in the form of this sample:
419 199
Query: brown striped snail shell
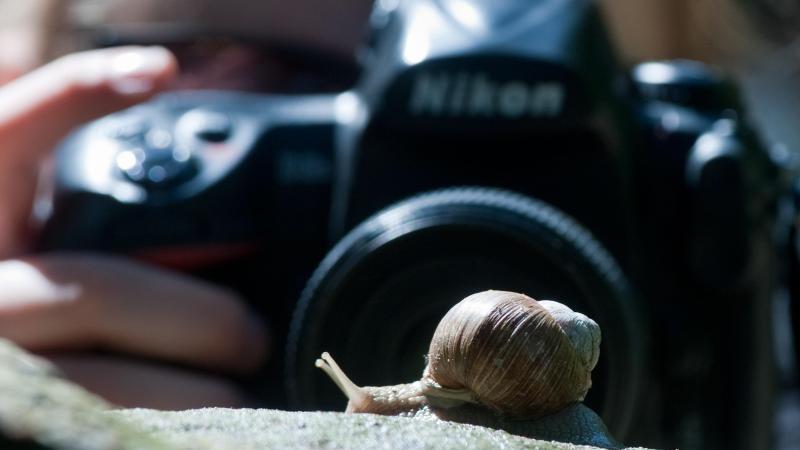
514 355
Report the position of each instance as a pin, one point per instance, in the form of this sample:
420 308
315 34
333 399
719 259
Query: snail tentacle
387 400
354 393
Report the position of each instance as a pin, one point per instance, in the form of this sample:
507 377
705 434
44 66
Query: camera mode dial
152 157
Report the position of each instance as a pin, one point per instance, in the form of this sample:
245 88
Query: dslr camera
485 145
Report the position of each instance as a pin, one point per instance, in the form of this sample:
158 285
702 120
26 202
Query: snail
503 360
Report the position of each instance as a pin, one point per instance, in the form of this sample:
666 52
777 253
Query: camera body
486 145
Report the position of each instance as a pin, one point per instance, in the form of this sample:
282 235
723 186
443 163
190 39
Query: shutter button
209 126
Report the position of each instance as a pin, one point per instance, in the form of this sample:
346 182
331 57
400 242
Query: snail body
503 360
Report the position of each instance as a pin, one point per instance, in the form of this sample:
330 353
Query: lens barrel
379 294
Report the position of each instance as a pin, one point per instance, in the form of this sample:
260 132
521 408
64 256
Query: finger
8 74
42 106
37 312
71 301
39 109
137 384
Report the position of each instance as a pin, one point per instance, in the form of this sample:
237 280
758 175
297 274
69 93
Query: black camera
487 145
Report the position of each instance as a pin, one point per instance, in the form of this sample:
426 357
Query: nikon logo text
476 95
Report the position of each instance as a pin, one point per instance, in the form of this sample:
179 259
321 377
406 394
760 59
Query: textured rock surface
39 410
259 429
38 407
576 424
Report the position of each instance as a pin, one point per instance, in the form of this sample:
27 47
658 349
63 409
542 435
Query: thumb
39 109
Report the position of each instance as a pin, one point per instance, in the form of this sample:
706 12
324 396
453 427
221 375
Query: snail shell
502 350
509 353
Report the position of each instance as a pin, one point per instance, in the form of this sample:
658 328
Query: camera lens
375 300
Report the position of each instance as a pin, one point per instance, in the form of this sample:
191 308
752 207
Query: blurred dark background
756 40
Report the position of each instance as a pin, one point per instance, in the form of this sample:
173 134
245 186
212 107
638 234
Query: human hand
69 305
40 108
